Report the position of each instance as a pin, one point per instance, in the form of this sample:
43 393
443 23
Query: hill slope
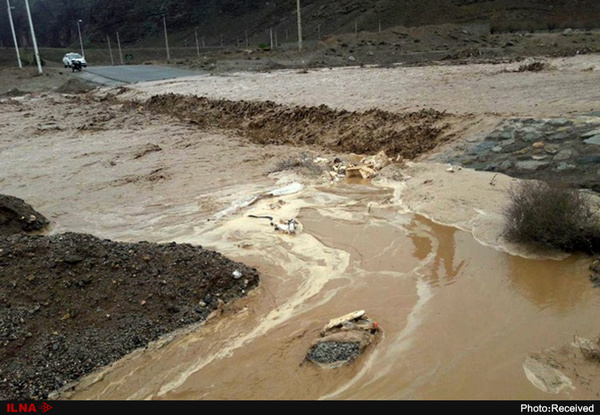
239 21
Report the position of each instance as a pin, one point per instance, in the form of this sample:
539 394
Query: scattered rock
531 164
16 216
343 340
589 134
564 154
595 139
362 168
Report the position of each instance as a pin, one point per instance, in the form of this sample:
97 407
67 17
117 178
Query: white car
70 57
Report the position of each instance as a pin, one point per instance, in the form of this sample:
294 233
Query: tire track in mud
407 135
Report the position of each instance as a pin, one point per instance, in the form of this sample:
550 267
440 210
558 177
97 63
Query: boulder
16 216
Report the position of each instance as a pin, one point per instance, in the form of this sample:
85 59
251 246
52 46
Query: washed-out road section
127 74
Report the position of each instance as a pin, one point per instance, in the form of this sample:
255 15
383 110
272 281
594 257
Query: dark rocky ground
72 303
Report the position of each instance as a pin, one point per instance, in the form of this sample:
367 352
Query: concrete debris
290 226
355 166
337 322
363 172
378 161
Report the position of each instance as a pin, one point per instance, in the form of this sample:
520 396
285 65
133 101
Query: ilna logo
27 407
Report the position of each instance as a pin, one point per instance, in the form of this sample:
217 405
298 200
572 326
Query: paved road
127 74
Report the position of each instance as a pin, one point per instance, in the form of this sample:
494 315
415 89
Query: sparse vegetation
552 216
532 67
302 163
590 349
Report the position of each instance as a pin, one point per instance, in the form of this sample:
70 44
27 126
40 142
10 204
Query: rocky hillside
230 22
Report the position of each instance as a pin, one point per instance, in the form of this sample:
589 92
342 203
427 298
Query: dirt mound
398 134
16 216
72 303
15 92
75 86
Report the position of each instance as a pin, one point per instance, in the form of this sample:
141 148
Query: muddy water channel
458 318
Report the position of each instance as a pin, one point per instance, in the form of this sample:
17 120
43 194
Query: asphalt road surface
127 74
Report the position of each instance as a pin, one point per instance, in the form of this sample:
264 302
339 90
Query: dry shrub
532 67
553 216
589 349
591 355
302 163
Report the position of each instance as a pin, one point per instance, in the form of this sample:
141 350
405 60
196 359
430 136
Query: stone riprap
553 149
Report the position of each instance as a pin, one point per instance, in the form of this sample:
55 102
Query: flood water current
458 318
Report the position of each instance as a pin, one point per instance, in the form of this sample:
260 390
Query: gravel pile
72 303
333 352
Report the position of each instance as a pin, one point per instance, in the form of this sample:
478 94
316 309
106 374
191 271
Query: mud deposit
419 246
405 134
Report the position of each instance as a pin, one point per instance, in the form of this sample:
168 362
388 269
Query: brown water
458 318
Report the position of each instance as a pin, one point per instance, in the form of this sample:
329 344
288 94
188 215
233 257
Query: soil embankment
407 135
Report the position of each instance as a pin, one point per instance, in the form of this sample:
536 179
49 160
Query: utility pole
221 40
379 25
247 43
166 38
356 28
120 53
14 35
271 36
299 25
197 44
35 47
80 38
112 61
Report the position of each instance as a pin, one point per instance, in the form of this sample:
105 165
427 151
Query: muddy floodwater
460 312
459 318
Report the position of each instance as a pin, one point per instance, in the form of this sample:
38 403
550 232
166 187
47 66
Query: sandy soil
568 85
135 147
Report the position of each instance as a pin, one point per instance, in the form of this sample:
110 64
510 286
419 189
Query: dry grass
302 163
533 67
590 349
